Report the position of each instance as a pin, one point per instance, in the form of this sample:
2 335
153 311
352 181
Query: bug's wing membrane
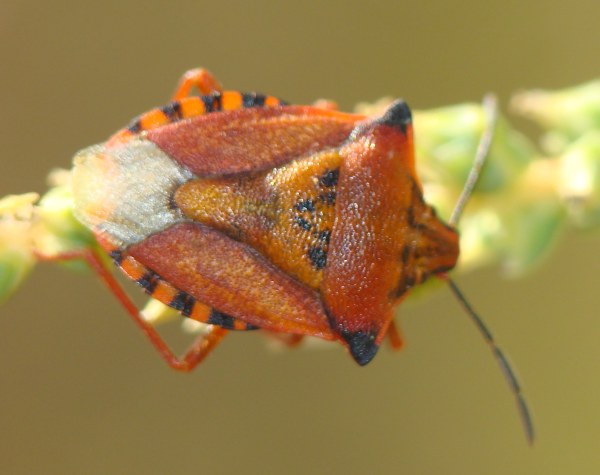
364 262
233 278
251 140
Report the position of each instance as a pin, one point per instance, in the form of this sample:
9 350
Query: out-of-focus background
82 392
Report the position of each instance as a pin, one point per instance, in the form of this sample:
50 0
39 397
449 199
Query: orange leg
396 340
294 340
199 349
291 340
199 78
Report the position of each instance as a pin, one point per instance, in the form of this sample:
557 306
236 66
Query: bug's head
412 243
428 246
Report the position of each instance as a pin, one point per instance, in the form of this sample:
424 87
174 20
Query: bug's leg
326 104
200 78
289 340
199 349
293 340
395 336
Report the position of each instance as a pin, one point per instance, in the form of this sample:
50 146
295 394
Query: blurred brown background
82 392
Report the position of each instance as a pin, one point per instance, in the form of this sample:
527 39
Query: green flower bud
446 143
567 114
579 183
482 236
531 230
16 247
57 229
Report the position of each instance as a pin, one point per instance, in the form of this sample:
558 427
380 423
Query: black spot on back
303 223
305 205
324 236
330 178
328 198
318 257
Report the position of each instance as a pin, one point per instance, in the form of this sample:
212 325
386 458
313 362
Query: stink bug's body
243 212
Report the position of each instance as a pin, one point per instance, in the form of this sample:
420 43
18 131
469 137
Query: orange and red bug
243 212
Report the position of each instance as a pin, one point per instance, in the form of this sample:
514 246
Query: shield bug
243 212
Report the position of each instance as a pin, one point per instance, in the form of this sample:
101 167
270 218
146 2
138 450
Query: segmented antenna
490 109
505 366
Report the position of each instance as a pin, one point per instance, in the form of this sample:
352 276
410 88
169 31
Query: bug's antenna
490 110
509 373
